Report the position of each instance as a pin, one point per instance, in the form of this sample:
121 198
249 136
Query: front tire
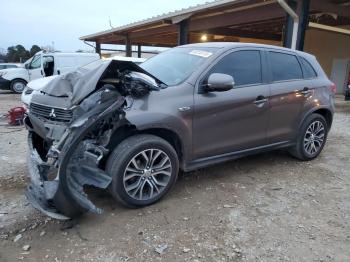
143 170
18 85
311 138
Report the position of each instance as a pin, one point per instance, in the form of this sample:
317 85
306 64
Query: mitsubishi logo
52 114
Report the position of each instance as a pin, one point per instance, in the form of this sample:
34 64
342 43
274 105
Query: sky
62 22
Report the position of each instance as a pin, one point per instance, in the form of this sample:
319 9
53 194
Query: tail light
333 88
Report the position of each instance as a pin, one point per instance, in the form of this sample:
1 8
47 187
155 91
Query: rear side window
308 70
285 67
243 66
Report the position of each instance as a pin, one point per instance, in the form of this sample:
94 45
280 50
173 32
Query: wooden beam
265 12
139 51
162 40
330 28
167 29
242 33
303 12
328 7
128 46
111 38
98 48
182 37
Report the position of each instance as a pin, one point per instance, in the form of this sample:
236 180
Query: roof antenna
110 22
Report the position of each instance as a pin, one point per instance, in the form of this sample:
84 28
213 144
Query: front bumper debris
57 183
40 192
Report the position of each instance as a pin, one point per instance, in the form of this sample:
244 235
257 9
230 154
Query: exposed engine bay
71 125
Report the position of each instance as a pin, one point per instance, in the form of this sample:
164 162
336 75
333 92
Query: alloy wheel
314 137
147 174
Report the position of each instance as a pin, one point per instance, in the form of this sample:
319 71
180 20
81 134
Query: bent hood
38 84
80 83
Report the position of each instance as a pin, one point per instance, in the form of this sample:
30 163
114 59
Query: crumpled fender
78 166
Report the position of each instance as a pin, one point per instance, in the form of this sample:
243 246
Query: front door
35 68
237 119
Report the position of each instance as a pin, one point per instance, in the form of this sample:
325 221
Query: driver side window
244 66
36 62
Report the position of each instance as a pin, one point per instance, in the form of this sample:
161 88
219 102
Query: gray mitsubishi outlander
130 128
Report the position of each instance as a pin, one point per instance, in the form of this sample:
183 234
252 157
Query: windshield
174 66
27 63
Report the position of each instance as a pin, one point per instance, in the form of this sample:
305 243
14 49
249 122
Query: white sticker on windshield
201 53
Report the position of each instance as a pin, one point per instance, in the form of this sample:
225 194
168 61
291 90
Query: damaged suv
130 128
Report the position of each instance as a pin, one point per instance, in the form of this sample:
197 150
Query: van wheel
18 85
143 170
311 138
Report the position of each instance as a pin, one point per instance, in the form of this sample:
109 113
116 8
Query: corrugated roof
184 11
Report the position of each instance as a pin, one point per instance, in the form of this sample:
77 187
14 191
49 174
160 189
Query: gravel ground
268 207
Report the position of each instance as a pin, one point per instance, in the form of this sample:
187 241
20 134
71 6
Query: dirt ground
268 207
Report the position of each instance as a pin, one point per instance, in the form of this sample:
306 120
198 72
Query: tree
3 57
17 53
34 49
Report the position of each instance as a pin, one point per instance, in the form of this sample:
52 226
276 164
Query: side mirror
27 66
219 83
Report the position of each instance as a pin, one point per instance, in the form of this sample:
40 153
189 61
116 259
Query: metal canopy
222 20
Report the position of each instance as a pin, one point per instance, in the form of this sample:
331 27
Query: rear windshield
174 66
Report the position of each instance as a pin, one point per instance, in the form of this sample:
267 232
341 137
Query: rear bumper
4 83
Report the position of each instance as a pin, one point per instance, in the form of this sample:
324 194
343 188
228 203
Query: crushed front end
69 133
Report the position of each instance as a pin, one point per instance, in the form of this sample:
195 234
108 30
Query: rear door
237 119
289 92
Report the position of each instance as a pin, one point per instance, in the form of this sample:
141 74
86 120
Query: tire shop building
319 27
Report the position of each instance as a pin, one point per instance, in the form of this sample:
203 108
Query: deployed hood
38 84
79 84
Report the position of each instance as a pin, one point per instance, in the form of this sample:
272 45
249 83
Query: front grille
51 113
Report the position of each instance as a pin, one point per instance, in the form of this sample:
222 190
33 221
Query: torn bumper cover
59 171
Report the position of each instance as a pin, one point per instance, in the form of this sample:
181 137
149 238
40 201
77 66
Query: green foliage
34 49
19 54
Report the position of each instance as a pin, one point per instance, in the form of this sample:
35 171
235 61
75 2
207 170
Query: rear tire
18 85
143 170
311 138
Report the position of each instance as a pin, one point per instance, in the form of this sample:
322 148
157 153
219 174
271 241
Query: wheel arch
18 78
327 114
168 135
323 111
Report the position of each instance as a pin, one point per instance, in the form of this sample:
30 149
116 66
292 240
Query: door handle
260 100
184 108
305 91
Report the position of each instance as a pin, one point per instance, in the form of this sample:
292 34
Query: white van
43 64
